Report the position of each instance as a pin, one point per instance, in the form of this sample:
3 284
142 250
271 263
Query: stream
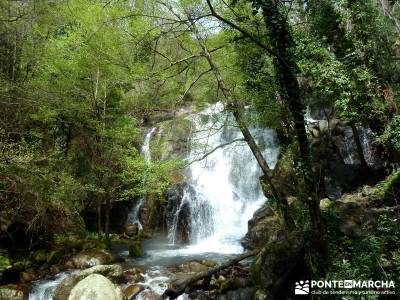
221 195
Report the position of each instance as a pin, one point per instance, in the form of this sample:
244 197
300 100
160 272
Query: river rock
90 258
29 275
209 263
150 295
131 291
131 229
14 292
134 275
135 249
95 287
192 267
63 290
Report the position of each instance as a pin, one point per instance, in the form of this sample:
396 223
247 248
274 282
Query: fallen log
178 287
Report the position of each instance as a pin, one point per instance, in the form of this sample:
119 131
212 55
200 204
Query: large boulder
131 229
135 249
278 264
355 220
90 258
63 290
264 226
14 292
95 287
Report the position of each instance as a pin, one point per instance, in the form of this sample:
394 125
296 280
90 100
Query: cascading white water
225 183
133 214
43 290
146 145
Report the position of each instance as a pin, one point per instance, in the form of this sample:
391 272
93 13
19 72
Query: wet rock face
172 138
95 287
177 211
336 154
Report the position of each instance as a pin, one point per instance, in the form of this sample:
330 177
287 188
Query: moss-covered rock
171 139
54 257
39 256
277 263
135 249
209 263
4 262
14 292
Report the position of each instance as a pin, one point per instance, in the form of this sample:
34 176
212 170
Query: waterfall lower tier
223 189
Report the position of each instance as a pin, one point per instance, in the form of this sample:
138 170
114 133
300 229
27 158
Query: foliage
372 257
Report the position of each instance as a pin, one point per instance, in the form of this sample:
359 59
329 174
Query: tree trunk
107 221
286 68
236 108
99 216
178 288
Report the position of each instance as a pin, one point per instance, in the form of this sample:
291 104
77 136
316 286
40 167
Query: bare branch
213 150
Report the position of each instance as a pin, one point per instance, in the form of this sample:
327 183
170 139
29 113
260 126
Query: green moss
54 257
4 262
135 249
386 190
39 256
171 138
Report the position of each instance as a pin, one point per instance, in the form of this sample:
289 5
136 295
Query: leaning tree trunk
236 108
178 287
286 69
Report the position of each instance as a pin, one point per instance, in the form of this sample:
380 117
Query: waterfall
146 145
43 290
225 184
133 214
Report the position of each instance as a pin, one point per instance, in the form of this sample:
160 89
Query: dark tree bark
99 217
286 70
107 221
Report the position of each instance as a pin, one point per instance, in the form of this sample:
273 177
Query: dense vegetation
81 79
